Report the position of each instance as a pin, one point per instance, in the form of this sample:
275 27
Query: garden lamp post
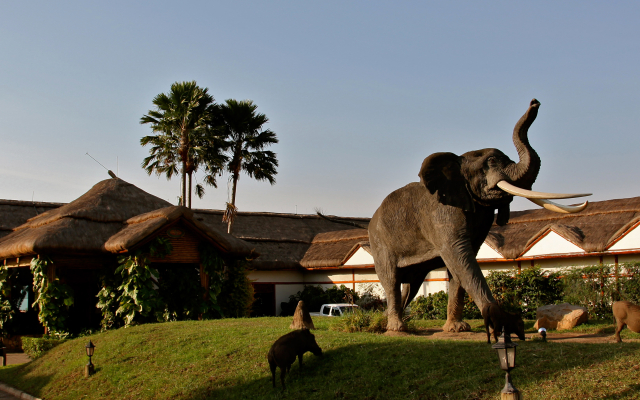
89 369
507 355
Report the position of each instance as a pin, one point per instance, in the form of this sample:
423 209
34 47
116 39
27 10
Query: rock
560 316
301 318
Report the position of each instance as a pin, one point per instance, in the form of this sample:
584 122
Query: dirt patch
438 333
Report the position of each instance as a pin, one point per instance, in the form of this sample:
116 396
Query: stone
301 318
560 316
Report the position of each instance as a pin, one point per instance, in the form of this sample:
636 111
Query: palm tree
181 119
246 139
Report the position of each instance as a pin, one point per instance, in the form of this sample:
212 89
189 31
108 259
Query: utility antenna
33 203
111 174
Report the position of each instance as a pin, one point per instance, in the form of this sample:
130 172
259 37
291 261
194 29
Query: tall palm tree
247 139
180 119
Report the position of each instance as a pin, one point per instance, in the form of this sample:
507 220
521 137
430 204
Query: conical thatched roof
88 223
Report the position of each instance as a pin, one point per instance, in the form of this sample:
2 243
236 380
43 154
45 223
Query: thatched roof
16 212
284 241
333 248
593 229
88 223
140 227
281 239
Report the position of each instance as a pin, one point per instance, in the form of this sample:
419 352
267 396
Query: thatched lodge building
298 250
84 238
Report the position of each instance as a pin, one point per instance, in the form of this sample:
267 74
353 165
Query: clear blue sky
359 93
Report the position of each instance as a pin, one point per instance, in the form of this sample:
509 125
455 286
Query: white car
334 310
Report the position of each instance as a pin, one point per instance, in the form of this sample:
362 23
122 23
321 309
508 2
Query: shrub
592 288
369 300
524 292
433 306
629 285
36 347
361 321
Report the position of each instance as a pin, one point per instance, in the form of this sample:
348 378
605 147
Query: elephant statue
443 220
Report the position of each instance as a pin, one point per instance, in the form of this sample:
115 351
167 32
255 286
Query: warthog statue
626 313
284 351
497 319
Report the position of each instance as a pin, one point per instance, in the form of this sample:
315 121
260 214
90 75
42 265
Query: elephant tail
338 221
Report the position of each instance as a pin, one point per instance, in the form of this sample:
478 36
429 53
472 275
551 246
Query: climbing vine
6 311
130 296
53 298
213 266
236 296
139 293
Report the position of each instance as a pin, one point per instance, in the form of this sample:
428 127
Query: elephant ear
503 215
441 173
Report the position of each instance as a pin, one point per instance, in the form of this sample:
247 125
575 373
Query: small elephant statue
444 219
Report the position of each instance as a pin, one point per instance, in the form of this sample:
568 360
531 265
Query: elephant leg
387 271
460 259
455 306
394 308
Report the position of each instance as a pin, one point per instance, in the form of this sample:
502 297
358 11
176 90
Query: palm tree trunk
234 186
190 173
184 183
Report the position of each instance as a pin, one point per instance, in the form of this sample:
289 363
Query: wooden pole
509 392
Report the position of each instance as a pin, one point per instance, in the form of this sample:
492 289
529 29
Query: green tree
246 138
181 121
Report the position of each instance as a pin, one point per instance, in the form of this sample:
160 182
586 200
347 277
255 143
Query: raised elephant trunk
525 172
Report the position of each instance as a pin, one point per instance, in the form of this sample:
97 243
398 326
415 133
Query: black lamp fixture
507 355
89 368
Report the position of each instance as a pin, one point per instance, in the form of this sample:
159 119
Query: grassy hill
226 359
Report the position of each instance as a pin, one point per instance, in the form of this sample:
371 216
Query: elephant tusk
529 194
559 208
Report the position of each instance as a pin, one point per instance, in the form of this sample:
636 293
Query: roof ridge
564 216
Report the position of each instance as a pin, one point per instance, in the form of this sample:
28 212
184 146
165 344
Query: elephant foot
395 324
456 326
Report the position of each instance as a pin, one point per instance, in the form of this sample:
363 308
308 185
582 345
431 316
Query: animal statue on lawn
500 320
626 313
284 351
443 220
301 318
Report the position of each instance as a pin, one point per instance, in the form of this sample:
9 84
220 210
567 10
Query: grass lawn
226 359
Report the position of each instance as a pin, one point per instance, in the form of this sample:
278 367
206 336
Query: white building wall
630 241
552 243
488 252
360 257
